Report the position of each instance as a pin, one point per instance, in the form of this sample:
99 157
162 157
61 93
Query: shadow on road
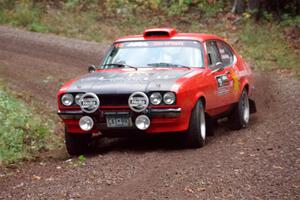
148 143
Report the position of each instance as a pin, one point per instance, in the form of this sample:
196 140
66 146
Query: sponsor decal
135 76
228 82
222 80
235 78
224 84
138 101
243 73
89 102
223 90
168 43
137 44
119 45
143 44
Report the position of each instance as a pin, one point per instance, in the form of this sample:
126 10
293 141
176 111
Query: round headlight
169 98
67 99
142 122
155 98
77 98
86 123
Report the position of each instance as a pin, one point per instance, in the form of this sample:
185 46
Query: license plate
118 121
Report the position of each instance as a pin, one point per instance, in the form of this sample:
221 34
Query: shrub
25 14
21 132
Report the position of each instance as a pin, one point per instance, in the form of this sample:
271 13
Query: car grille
113 99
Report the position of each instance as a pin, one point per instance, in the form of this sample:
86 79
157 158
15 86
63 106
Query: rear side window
213 54
225 53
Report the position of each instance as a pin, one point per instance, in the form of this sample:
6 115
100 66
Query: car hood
125 81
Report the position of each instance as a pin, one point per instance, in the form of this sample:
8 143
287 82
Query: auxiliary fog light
142 122
86 123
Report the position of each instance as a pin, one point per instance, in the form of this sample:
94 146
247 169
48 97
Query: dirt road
261 162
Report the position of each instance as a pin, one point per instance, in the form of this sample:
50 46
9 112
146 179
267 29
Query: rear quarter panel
245 75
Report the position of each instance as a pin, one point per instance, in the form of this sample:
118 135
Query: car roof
168 34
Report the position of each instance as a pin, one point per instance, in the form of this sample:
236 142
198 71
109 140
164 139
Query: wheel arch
202 99
199 96
246 86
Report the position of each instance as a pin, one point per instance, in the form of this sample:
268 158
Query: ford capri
158 82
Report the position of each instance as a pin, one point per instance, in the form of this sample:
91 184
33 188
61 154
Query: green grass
266 47
22 133
23 13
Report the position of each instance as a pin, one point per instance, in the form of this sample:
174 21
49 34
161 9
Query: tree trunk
253 5
238 6
255 8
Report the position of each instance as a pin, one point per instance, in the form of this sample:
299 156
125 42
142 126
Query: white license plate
118 121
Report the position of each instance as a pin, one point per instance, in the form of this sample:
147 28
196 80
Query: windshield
141 54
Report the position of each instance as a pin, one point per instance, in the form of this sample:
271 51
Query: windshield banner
142 44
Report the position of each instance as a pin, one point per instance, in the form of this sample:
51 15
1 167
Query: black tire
196 135
77 144
211 125
241 113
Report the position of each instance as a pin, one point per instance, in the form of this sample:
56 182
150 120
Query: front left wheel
77 144
196 135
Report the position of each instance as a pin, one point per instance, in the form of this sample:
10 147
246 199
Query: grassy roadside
22 132
267 48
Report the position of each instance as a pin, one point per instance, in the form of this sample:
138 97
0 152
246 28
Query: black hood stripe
126 82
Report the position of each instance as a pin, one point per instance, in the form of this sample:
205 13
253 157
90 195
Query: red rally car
158 82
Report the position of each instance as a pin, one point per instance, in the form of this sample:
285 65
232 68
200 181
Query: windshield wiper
120 65
163 64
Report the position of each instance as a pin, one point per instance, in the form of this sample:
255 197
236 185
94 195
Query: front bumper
152 112
162 119
165 112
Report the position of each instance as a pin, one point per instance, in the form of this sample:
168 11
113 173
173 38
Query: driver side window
225 53
213 55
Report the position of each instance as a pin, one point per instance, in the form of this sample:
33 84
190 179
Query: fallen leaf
36 178
277 167
19 185
188 190
201 189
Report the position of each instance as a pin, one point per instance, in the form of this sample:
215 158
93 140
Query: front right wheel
196 135
241 112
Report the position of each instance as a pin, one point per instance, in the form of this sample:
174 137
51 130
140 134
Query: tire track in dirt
261 162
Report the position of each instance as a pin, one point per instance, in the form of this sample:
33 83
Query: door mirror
91 68
218 67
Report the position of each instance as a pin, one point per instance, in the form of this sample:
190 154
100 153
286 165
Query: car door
219 74
230 67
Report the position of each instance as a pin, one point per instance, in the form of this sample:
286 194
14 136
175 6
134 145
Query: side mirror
218 67
91 68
